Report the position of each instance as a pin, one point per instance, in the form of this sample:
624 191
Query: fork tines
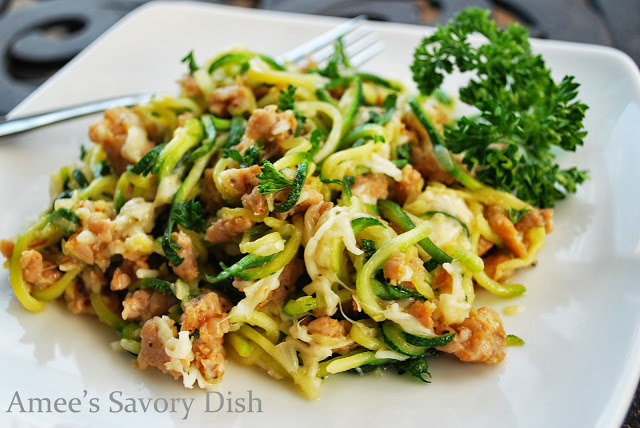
360 43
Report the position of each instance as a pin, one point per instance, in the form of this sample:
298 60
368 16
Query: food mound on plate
310 220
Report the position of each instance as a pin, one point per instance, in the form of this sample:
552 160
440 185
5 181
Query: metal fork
360 45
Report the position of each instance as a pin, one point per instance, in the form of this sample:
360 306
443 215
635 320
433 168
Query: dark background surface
39 37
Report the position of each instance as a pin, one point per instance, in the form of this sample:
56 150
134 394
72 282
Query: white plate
580 364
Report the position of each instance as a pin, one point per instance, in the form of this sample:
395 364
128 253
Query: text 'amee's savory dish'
312 221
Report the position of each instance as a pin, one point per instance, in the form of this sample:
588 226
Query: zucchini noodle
259 71
369 301
333 139
59 286
16 276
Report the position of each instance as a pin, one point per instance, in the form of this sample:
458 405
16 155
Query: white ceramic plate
581 361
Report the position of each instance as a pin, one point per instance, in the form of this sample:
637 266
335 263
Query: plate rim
623 60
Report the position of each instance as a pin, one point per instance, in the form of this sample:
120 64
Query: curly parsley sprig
523 112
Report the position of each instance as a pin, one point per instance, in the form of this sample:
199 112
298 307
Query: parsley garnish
523 112
271 180
250 157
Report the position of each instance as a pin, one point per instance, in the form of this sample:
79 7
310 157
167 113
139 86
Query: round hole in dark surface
61 28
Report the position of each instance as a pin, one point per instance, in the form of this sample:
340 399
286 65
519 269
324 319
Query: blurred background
37 37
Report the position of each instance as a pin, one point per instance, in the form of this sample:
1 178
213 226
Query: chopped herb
196 334
404 155
271 180
296 189
189 215
171 248
287 102
338 82
250 157
416 367
190 60
83 152
515 215
369 248
324 96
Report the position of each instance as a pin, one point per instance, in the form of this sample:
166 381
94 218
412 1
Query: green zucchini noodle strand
368 300
260 71
309 108
16 277
59 286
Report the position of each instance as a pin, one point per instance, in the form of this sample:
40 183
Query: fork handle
14 126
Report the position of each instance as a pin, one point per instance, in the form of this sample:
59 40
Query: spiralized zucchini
280 213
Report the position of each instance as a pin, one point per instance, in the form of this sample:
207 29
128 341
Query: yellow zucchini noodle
299 220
